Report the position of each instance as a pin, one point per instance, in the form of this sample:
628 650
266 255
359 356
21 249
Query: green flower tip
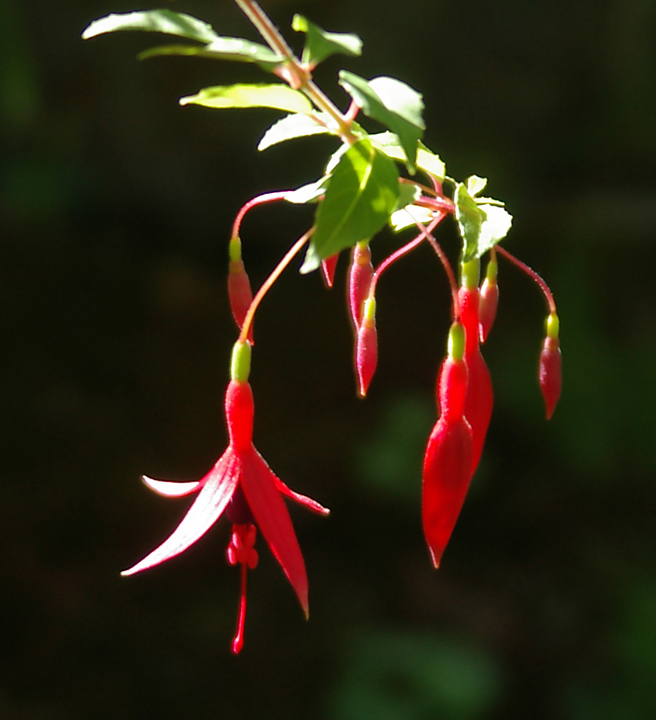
553 326
241 362
235 249
369 310
470 273
491 271
457 341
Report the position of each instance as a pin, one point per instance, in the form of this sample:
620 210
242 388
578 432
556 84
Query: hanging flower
243 487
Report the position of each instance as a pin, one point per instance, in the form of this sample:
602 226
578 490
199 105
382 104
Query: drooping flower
550 366
448 460
366 347
243 487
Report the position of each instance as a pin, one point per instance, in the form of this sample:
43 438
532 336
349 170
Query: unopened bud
360 273
550 367
366 349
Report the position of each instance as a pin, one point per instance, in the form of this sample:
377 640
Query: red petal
272 517
173 489
208 507
309 503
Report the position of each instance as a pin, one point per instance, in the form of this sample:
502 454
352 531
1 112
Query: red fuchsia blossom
489 300
480 398
448 460
550 367
243 487
366 347
239 286
360 273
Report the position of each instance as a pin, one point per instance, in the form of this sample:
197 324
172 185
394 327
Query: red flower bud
366 348
489 300
550 368
239 287
328 269
360 273
480 398
448 460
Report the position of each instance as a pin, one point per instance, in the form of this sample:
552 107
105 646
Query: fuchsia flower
243 487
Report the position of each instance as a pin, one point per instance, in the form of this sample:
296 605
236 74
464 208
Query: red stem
259 200
548 296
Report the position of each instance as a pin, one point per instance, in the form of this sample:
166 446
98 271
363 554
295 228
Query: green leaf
475 184
427 160
394 104
495 227
360 198
222 48
163 21
308 193
320 44
276 96
407 216
293 126
407 195
470 219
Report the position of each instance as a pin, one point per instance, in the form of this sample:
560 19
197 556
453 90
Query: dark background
115 212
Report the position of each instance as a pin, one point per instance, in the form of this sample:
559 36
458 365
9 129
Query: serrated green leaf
470 218
407 216
223 48
475 184
292 126
276 96
360 198
401 117
308 193
162 21
427 160
320 44
495 227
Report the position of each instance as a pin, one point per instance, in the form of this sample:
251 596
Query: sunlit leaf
398 109
360 198
407 217
495 227
292 126
475 184
162 21
428 161
320 44
276 96
308 193
223 48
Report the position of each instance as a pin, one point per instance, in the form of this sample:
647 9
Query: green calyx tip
553 326
234 249
369 310
470 273
491 271
240 366
457 341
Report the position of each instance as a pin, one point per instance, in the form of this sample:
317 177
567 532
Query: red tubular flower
360 273
550 367
489 301
448 460
242 486
239 286
366 348
480 398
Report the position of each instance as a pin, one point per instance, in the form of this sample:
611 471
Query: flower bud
550 366
366 348
360 273
328 269
489 300
239 286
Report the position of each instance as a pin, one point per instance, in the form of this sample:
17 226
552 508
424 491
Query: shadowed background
115 212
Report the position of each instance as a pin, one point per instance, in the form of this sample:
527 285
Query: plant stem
266 285
298 76
259 200
539 281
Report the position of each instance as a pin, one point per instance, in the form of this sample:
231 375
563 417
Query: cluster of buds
360 191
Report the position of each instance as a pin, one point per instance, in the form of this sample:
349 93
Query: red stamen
238 640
